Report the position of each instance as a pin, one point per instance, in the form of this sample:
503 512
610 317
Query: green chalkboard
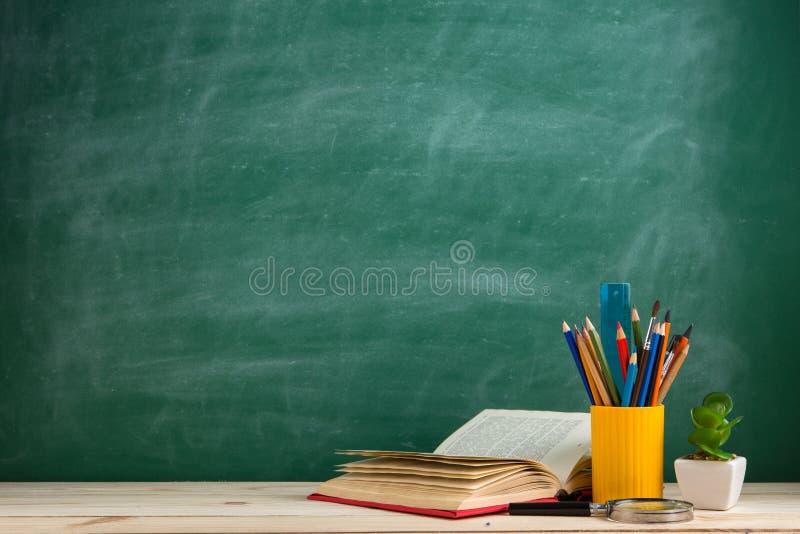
239 235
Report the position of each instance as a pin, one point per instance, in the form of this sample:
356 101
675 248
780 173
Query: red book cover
450 514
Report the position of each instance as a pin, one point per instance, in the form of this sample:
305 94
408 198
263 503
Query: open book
497 457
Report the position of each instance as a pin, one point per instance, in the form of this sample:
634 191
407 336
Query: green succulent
712 430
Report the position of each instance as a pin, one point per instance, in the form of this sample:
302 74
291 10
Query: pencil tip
564 327
667 316
688 331
656 307
634 314
589 324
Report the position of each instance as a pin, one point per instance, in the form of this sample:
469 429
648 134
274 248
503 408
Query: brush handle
582 509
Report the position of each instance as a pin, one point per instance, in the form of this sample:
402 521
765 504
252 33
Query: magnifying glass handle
550 508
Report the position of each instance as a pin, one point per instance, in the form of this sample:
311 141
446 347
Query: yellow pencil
587 368
590 348
596 383
601 358
587 340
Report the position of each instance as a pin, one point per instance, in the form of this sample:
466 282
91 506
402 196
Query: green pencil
637 331
601 356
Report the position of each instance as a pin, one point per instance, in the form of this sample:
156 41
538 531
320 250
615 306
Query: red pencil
622 349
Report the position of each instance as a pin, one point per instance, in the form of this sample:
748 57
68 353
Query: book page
556 439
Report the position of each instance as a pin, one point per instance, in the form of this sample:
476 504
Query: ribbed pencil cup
627 452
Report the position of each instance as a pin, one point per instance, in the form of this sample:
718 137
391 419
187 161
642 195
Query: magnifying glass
622 510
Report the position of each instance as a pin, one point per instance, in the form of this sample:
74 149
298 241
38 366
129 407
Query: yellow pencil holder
627 452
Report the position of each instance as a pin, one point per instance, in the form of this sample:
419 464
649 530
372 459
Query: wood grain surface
248 507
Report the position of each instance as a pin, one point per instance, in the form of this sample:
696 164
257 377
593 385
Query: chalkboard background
159 158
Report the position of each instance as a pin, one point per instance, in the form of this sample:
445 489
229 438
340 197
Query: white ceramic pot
709 484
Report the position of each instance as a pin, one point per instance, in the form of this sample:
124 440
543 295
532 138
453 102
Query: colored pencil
591 370
656 384
585 334
593 355
640 371
649 364
680 342
628 390
648 369
636 326
601 357
622 350
601 397
600 381
672 372
573 348
668 355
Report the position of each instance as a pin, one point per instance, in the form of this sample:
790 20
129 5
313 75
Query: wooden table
189 507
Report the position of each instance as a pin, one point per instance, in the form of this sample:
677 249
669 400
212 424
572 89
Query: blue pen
628 390
648 372
573 347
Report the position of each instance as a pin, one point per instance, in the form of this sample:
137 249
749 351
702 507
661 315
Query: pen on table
573 347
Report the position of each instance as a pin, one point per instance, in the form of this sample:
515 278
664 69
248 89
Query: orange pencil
673 370
660 361
600 378
680 342
622 349
586 338
588 341
586 361
602 398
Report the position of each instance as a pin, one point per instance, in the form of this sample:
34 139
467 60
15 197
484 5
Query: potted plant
711 478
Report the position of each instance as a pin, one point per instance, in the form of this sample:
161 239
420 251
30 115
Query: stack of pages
498 457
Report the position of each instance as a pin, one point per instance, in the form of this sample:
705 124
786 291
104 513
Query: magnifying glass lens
649 510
